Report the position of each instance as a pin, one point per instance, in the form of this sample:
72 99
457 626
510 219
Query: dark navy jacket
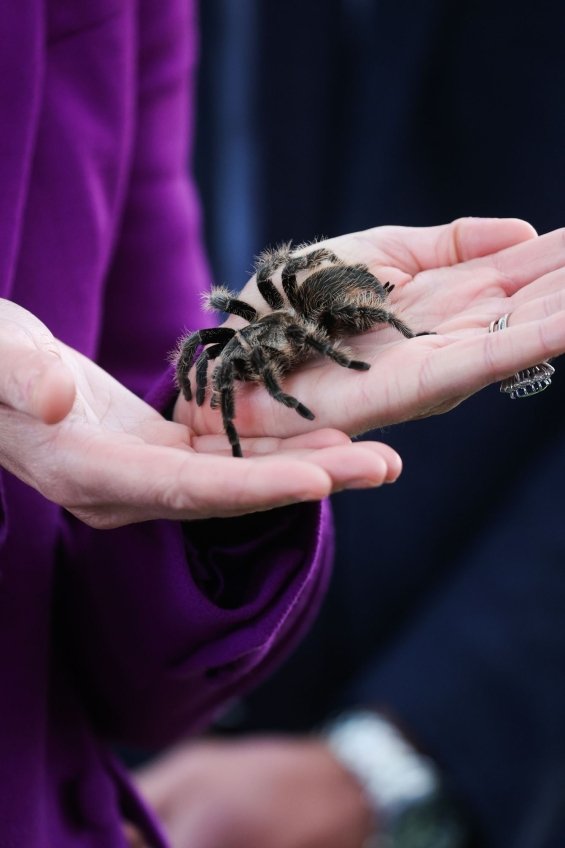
448 600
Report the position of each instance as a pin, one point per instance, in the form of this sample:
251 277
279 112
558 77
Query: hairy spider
334 300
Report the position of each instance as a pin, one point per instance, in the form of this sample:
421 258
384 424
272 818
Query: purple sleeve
165 620
159 269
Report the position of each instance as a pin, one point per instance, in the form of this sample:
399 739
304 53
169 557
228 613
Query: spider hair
334 299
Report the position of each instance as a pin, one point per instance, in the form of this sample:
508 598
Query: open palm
84 441
87 443
452 281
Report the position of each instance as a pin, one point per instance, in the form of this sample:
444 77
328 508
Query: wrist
353 816
405 790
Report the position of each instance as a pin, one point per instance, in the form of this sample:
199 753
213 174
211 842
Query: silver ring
530 381
500 323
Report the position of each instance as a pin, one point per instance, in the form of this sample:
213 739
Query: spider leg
325 347
222 300
265 266
290 286
303 263
202 370
272 258
316 257
270 293
345 315
187 352
223 384
363 318
267 373
399 325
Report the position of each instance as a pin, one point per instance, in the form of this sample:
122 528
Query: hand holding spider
452 280
84 441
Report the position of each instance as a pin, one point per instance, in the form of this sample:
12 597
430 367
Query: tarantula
334 300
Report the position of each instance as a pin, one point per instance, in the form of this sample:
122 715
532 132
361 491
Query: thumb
463 239
469 238
35 382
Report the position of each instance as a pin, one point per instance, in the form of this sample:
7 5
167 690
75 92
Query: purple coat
136 634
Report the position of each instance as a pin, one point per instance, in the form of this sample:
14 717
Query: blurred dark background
326 116
319 117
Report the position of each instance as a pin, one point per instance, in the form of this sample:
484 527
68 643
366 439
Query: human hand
71 431
452 280
266 791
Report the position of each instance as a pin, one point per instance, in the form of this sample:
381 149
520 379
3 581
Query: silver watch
404 788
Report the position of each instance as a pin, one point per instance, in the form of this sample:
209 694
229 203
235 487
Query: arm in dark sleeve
476 679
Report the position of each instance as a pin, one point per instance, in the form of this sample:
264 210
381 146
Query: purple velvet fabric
140 633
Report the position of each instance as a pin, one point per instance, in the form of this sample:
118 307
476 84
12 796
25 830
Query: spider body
332 301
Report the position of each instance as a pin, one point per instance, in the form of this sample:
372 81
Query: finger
380 465
460 369
523 263
523 309
549 288
142 482
321 438
370 464
422 248
469 238
35 382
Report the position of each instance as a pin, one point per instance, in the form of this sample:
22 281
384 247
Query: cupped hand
71 431
265 791
452 281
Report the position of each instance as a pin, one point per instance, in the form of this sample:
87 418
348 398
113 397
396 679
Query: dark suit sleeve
477 678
